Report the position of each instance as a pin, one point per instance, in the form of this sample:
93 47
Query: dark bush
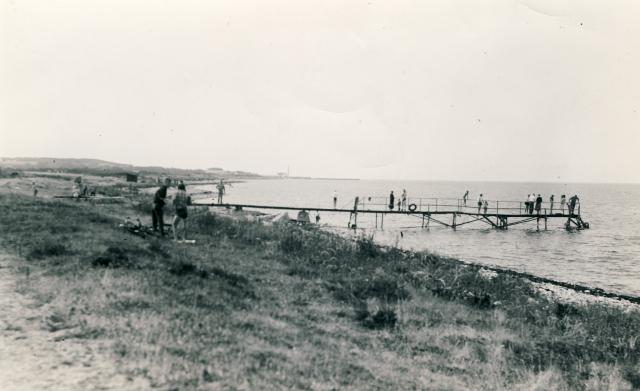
183 268
114 257
48 248
383 318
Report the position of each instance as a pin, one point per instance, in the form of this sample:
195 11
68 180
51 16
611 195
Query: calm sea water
606 256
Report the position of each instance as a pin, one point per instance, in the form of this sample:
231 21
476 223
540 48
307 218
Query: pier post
381 220
423 220
538 224
454 222
545 223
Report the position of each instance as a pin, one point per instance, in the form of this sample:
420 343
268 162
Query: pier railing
429 204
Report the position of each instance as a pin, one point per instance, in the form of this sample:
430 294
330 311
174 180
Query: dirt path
34 358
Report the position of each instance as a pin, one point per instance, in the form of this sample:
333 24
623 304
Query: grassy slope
254 307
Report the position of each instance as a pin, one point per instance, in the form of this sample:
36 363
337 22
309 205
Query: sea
606 256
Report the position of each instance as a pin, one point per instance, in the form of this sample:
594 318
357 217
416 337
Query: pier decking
499 215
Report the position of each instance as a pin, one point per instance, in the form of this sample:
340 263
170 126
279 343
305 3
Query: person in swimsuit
180 203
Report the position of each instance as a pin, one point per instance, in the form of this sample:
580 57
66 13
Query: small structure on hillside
132 177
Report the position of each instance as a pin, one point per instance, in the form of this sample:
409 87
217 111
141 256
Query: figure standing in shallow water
221 191
335 199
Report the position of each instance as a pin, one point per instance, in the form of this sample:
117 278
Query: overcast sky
485 90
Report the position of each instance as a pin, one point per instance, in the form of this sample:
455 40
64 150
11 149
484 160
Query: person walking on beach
563 201
180 202
551 198
157 213
404 199
35 189
335 199
538 204
221 191
465 197
480 202
391 200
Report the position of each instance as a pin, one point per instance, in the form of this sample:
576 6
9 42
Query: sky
545 90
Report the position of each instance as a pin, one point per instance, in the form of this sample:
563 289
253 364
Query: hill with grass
105 168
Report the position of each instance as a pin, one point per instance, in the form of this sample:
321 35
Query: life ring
413 207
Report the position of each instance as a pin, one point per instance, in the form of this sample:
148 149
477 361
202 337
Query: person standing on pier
480 202
532 201
551 204
465 197
563 200
486 206
538 204
572 204
391 200
404 200
335 199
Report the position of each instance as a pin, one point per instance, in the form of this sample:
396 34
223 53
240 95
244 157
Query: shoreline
534 279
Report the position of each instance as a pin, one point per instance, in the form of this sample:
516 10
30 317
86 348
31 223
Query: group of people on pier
533 203
402 202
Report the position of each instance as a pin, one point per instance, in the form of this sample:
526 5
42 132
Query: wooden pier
445 212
